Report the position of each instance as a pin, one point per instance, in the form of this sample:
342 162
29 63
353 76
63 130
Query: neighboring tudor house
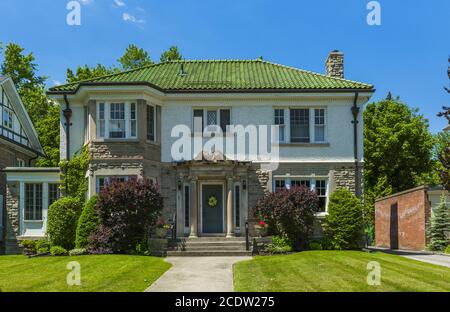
19 144
133 123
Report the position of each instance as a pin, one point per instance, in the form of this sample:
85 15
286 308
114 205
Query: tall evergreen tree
134 57
86 72
439 226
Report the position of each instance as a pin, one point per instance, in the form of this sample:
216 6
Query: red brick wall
413 212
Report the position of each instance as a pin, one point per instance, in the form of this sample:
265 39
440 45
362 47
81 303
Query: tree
87 223
397 145
43 113
444 155
344 223
171 55
134 57
439 225
85 72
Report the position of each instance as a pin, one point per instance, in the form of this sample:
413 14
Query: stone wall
401 219
12 225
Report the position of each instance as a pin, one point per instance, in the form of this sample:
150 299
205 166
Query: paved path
197 274
434 259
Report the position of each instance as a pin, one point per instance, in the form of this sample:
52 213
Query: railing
247 243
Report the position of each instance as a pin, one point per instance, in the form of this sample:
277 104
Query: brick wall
400 220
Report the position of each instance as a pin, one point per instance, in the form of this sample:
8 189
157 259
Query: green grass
98 273
337 271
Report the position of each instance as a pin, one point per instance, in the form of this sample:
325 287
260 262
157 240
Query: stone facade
12 218
334 65
401 220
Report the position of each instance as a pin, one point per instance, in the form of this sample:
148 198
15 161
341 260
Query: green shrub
28 244
87 223
58 251
63 216
42 246
280 244
447 250
315 246
438 226
344 223
74 183
77 252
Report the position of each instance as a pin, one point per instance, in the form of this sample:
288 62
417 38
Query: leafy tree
344 223
397 145
43 113
87 223
134 57
444 155
85 72
439 225
171 55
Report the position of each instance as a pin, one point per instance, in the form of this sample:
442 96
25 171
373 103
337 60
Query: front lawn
337 271
98 273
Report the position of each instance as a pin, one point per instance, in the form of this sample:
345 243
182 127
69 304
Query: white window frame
20 163
154 123
312 123
312 181
205 110
107 119
282 126
107 178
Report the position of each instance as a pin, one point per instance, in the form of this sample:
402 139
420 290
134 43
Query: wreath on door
212 201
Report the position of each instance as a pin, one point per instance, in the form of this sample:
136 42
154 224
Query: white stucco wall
260 112
76 129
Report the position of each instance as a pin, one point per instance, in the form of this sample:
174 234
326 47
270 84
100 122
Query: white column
230 210
194 208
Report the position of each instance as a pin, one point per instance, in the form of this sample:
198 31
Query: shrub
315 246
439 225
344 223
87 223
42 246
28 244
447 250
63 216
74 183
126 210
290 213
282 241
77 252
58 251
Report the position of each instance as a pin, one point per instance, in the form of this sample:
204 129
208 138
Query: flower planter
161 232
262 230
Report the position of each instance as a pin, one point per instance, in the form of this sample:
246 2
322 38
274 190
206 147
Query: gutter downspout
31 159
355 113
67 112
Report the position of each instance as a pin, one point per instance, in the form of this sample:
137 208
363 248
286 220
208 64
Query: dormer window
116 120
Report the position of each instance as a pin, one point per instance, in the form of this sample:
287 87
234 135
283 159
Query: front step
209 253
208 246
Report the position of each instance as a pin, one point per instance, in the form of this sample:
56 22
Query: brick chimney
334 64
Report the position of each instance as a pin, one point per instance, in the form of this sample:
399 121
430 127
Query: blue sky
407 54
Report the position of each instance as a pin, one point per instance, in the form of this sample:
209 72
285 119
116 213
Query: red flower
262 223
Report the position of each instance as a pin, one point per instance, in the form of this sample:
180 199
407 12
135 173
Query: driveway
197 274
423 256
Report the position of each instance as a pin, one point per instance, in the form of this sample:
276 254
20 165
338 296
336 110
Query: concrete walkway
423 256
197 274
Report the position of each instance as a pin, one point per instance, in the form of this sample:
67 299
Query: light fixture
179 184
244 184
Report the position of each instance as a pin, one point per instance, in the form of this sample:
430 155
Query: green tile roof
221 75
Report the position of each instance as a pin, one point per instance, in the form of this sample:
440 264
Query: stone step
208 247
209 253
219 244
211 239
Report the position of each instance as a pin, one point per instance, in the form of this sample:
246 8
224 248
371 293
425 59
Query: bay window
116 120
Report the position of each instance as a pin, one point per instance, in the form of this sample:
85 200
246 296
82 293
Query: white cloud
140 9
127 17
57 82
119 3
86 2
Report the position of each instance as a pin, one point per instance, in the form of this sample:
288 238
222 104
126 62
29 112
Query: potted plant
262 228
162 227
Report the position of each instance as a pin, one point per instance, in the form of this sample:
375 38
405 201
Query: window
318 185
33 202
213 117
102 181
117 120
237 206
279 185
319 125
101 121
300 125
187 205
225 119
321 190
133 120
53 193
7 118
279 121
20 163
150 123
198 121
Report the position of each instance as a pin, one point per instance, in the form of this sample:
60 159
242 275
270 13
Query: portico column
230 210
194 208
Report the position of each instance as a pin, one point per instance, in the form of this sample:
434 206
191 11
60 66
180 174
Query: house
401 219
19 146
216 135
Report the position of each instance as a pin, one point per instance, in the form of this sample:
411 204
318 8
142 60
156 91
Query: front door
212 208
